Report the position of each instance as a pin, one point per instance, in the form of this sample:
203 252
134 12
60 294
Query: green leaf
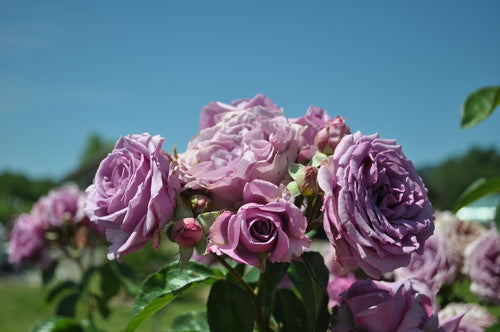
201 247
294 169
293 188
162 287
191 321
57 324
60 288
252 275
310 279
318 158
479 105
48 273
229 308
182 210
102 305
316 265
185 255
268 284
207 219
479 188
290 312
67 305
110 284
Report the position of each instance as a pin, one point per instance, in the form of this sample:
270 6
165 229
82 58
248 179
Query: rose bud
306 180
329 137
186 232
200 203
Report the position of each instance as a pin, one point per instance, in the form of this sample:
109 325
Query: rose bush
376 210
133 194
27 241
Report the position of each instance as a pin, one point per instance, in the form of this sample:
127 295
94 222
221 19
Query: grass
22 304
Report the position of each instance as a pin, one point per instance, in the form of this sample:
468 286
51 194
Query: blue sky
399 68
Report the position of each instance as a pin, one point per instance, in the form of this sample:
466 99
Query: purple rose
315 119
60 205
214 112
27 241
435 265
254 143
378 306
133 194
337 285
271 227
475 317
186 232
482 264
375 206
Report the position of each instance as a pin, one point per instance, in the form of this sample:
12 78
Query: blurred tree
18 193
447 180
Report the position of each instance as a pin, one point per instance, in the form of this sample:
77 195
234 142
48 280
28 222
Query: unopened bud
306 181
186 232
329 137
200 203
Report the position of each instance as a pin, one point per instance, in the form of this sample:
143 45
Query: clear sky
400 68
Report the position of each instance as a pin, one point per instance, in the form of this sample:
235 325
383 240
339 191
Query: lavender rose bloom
435 264
133 194
376 211
27 241
337 285
475 317
482 264
266 225
254 143
60 205
315 119
378 306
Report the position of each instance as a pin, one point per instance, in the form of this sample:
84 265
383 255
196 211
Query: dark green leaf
207 219
316 265
290 312
60 288
57 324
102 305
85 282
162 287
229 308
191 321
67 305
182 210
88 326
268 284
110 284
479 188
294 169
48 273
479 105
307 279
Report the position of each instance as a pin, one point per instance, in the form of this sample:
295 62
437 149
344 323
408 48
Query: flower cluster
254 186
60 208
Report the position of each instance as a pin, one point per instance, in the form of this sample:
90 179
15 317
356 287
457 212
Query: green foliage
479 105
229 308
310 279
191 321
165 285
57 324
18 193
269 281
479 188
448 180
290 311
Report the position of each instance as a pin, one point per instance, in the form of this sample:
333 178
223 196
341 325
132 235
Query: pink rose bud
186 232
306 180
329 137
200 203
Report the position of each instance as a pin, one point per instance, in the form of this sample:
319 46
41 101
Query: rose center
262 230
